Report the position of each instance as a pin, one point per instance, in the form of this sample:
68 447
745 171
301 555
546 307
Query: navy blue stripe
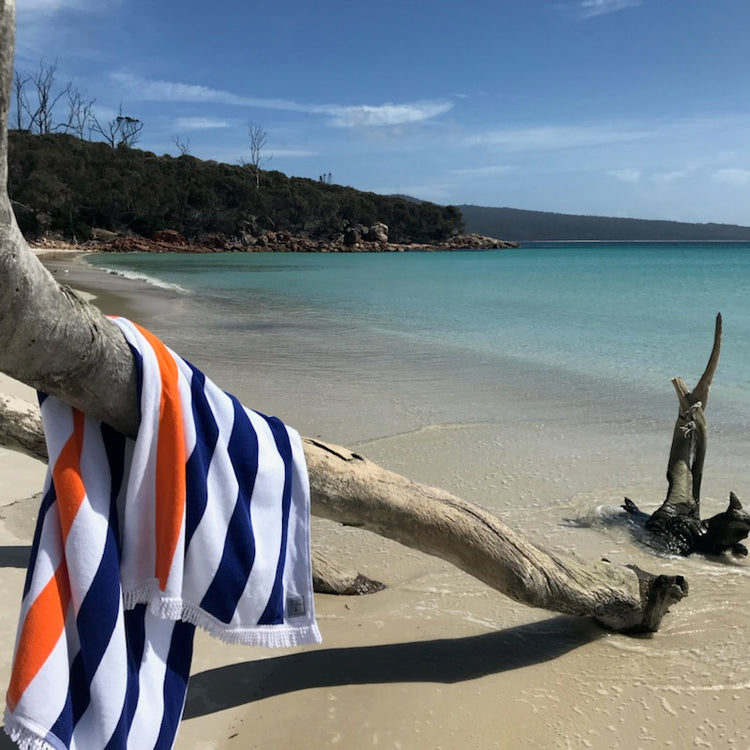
237 558
175 683
97 616
95 622
49 499
63 726
134 625
196 469
114 447
138 359
135 636
274 612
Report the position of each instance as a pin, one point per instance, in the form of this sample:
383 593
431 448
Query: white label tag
295 606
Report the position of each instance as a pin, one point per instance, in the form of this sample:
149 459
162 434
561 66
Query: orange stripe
40 633
66 474
170 462
45 620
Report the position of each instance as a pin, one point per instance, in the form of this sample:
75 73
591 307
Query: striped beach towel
202 520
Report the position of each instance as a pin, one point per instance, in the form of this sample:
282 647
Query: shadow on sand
15 555
447 660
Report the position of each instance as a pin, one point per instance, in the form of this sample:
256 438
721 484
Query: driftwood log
57 343
676 526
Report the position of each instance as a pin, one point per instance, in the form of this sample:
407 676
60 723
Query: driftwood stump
676 526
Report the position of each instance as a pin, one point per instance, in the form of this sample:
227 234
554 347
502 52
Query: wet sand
437 660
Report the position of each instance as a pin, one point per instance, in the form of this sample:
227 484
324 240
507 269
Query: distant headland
538 226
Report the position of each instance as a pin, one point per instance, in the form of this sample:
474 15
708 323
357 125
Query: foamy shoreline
437 660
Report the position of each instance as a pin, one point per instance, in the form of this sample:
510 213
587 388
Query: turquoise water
623 315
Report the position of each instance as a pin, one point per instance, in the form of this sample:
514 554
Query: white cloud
201 123
592 8
732 176
293 153
40 24
29 12
479 171
50 6
233 155
177 92
364 115
692 137
626 175
673 176
554 137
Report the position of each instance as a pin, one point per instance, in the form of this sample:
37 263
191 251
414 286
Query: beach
437 660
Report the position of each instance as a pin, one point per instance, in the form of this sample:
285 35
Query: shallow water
625 315
567 350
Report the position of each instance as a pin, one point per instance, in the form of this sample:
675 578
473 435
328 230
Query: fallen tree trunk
54 341
350 489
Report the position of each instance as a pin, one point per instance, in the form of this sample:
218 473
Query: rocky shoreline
169 241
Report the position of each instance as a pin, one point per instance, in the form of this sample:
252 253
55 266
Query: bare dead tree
107 130
121 130
258 140
183 146
36 111
130 130
21 101
40 109
80 117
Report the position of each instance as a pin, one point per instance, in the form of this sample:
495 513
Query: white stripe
144 729
108 690
57 420
86 544
87 535
296 574
184 383
139 528
265 512
207 543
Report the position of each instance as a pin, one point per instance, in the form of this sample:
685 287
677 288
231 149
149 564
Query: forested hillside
526 226
62 184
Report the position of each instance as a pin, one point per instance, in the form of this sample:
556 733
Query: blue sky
611 107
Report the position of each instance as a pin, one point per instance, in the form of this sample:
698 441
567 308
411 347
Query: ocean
612 317
536 383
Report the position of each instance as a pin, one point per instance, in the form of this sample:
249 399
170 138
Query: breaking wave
139 276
